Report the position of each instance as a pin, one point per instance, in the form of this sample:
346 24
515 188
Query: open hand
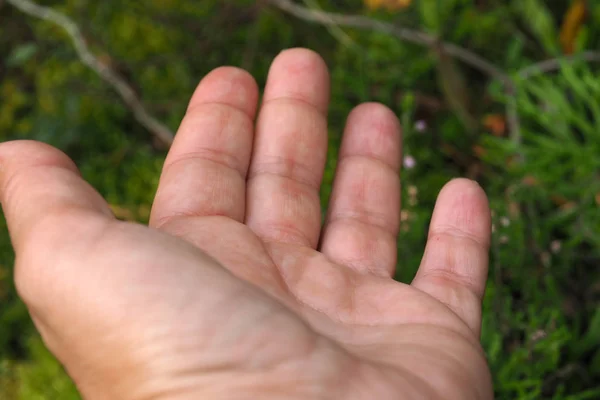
235 291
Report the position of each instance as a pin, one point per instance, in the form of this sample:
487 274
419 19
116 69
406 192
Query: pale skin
235 290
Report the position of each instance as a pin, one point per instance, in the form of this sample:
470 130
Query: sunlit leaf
572 24
122 213
21 54
391 5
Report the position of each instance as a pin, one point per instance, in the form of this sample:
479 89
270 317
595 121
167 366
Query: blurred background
506 92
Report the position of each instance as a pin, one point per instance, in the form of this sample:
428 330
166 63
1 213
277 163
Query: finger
45 201
362 223
290 151
205 171
455 265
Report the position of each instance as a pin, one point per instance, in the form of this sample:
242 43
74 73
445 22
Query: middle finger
290 150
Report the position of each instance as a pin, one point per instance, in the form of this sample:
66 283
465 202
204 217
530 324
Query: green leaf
454 86
430 14
435 12
21 54
591 339
587 395
515 51
537 16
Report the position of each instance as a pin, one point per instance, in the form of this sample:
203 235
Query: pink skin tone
235 290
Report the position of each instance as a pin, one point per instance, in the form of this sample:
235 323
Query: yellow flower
389 4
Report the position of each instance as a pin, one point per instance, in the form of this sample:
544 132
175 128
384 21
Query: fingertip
299 74
301 55
463 205
38 180
463 189
374 108
17 153
463 184
377 114
373 130
229 85
34 150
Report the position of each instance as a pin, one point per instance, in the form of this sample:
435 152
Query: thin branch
161 132
513 121
555 63
405 34
542 67
333 28
252 42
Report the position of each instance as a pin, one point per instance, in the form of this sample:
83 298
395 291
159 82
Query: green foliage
41 378
21 55
541 328
540 21
436 13
556 226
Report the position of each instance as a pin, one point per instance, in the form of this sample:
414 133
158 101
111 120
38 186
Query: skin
235 290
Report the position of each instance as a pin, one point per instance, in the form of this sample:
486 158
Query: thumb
47 205
39 183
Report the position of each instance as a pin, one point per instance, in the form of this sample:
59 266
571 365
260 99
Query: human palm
235 291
